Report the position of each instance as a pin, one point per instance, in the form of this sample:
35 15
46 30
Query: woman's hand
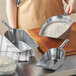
71 8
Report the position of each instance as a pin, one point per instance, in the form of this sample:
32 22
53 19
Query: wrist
67 1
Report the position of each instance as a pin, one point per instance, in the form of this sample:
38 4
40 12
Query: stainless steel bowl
58 18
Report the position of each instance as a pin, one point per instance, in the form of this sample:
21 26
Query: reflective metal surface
21 40
29 69
53 58
19 37
21 45
58 18
16 35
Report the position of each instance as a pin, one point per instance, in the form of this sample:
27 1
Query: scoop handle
6 24
63 44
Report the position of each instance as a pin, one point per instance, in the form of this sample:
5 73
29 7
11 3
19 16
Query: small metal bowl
7 67
58 18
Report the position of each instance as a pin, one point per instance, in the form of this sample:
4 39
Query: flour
56 29
4 67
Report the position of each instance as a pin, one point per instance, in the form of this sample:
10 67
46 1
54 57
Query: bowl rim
12 63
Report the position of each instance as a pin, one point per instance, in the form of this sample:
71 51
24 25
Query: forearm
11 10
71 7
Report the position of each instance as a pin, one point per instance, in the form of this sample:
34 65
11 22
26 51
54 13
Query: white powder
6 69
56 29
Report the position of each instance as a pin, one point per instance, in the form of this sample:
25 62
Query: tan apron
33 13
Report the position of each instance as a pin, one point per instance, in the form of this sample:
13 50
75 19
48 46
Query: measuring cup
53 58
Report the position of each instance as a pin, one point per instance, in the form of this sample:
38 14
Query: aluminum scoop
53 58
19 38
22 40
58 19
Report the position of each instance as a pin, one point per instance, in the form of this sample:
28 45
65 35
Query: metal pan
58 18
53 58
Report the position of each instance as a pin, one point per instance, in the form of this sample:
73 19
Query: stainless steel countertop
30 69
